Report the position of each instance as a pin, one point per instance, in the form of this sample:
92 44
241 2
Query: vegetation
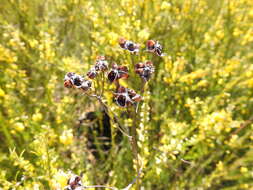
193 125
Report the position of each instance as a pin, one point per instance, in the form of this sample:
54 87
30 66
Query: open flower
129 45
145 70
74 183
72 80
126 97
117 72
154 47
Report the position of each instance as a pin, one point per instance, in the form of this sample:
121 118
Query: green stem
135 146
6 132
115 118
48 159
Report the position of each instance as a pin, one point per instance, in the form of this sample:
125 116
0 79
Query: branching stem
115 118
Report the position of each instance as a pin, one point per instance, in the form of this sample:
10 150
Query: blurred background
195 129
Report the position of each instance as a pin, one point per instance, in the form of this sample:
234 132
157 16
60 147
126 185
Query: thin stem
115 118
243 125
103 84
48 159
135 146
142 92
99 186
135 152
134 136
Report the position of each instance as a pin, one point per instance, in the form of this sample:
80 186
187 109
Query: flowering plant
123 96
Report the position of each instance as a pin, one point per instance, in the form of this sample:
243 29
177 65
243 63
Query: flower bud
144 70
117 72
129 45
154 47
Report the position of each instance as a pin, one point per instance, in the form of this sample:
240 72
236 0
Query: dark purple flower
101 64
74 183
68 81
129 45
117 72
144 70
154 47
72 80
92 73
125 97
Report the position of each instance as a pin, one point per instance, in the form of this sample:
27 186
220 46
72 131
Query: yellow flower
19 126
202 83
37 117
250 83
233 140
165 5
33 43
243 169
237 32
67 137
220 166
198 74
2 93
60 179
158 170
113 38
220 34
251 13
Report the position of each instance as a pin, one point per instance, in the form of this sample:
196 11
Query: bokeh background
195 129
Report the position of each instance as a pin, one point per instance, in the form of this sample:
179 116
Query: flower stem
135 146
115 118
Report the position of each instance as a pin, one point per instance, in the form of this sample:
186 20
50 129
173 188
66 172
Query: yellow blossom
67 137
243 169
37 117
19 126
60 179
165 5
2 93
220 166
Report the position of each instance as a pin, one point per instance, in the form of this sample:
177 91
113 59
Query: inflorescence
123 96
129 45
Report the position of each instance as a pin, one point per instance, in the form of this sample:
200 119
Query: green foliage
195 124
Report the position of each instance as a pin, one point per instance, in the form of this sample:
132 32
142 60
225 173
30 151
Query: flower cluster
129 45
151 46
72 80
123 96
144 70
100 65
126 97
